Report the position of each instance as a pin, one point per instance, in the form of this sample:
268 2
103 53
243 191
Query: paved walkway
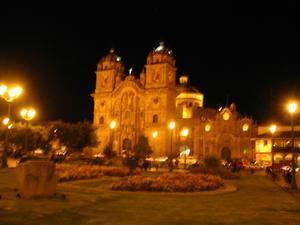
89 202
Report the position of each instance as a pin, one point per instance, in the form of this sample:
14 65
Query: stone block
36 179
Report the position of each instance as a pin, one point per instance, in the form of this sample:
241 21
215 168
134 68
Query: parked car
59 155
288 168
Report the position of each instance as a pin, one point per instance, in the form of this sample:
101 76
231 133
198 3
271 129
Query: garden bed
221 172
177 182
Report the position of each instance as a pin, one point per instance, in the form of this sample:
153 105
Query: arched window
155 119
101 120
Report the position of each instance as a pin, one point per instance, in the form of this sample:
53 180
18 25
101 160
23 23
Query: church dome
184 87
110 61
188 93
161 54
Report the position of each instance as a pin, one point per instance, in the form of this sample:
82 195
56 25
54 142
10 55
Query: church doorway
226 154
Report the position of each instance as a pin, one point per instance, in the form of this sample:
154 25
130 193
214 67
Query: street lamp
272 130
207 129
292 108
6 123
154 134
184 133
171 127
27 114
112 126
9 94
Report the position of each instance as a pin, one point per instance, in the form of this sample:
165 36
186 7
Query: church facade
128 106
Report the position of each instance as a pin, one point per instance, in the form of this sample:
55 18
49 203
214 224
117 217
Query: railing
287 149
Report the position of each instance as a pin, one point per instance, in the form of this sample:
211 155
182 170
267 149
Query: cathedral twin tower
138 106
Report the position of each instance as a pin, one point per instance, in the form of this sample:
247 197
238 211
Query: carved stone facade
146 105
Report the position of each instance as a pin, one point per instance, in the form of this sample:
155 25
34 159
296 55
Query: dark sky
249 53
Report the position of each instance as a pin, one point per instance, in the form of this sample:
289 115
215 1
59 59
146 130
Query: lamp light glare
273 128
292 107
154 134
172 125
113 124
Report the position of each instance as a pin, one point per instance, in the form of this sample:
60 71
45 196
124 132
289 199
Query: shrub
138 154
109 152
177 182
221 172
69 173
114 171
212 162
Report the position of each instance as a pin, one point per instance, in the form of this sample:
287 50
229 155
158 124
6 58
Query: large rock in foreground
36 179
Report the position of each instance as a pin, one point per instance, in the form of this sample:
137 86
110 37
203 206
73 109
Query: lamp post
27 114
272 130
292 108
171 127
6 122
154 135
9 95
184 133
112 126
207 129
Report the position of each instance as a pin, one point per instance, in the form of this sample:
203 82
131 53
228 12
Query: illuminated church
127 106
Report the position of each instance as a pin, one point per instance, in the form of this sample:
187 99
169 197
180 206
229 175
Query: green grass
257 201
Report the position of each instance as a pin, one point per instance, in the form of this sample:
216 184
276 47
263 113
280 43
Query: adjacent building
277 146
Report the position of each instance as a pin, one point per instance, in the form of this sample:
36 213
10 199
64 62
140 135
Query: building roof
111 56
187 88
162 49
208 114
279 135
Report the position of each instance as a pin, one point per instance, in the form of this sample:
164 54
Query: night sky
249 55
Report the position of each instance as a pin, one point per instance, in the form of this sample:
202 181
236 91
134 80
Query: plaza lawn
258 201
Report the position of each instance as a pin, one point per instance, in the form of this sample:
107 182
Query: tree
74 136
138 154
109 153
18 134
212 162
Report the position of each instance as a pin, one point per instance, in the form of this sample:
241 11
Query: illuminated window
226 116
207 127
101 120
155 119
245 127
